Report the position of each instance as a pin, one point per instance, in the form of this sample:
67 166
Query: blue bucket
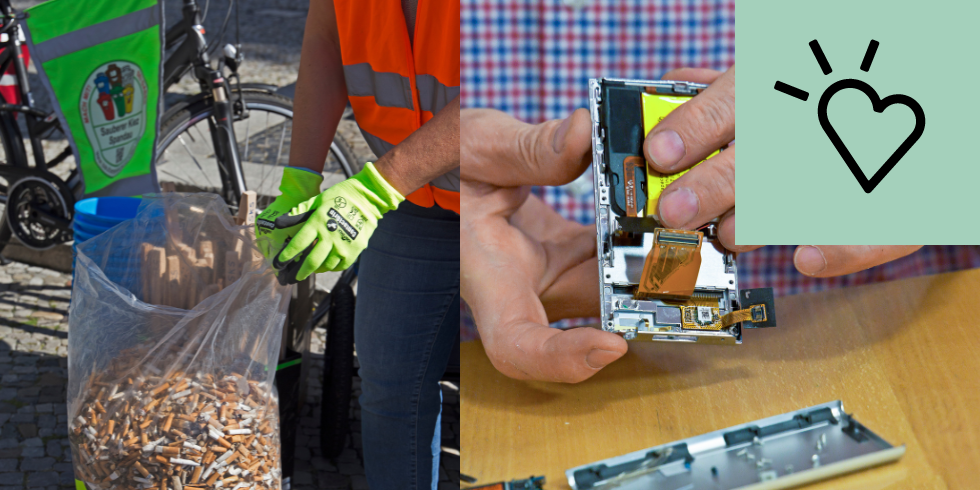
106 212
82 235
95 215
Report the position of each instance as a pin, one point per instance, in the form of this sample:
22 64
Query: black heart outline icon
879 105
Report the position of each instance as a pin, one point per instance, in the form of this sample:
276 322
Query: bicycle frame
36 121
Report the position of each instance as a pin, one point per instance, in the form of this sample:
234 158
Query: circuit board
656 283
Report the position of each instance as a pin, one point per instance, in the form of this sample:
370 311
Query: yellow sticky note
655 109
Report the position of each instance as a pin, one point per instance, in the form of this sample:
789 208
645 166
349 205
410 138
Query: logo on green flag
113 109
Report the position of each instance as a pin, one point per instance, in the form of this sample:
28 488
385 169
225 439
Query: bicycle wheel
338 372
12 143
185 153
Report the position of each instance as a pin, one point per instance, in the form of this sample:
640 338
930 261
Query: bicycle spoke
248 122
181 139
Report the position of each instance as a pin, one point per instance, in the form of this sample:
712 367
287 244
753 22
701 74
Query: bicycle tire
13 147
338 372
182 117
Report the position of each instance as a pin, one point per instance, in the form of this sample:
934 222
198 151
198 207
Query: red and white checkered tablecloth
533 59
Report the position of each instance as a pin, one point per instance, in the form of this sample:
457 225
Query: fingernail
599 358
559 140
679 207
810 260
666 149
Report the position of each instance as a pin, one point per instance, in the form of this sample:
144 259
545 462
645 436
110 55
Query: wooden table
903 356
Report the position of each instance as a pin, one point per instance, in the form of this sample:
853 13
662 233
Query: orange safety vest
394 89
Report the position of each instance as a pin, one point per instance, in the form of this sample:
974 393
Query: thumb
500 150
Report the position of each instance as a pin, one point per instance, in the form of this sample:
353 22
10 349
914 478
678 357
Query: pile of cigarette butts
180 431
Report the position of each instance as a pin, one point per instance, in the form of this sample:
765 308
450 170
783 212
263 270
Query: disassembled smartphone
784 451
656 283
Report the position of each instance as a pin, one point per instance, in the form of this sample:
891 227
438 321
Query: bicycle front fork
223 134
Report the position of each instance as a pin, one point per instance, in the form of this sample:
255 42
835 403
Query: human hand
522 264
333 228
698 128
297 185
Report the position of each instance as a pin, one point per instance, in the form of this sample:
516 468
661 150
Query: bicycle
220 132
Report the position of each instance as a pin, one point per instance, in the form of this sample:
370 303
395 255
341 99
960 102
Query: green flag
103 63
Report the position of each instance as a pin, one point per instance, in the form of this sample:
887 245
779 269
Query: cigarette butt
112 426
141 469
148 407
99 407
223 442
214 478
160 389
236 439
185 462
197 474
133 440
168 451
177 484
161 459
143 439
166 425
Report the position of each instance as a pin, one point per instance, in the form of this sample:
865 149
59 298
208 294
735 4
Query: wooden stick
156 268
246 208
233 266
173 281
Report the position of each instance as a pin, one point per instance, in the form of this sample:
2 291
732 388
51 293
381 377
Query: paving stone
303 478
32 452
11 478
47 315
41 478
27 430
47 421
8 464
36 464
53 448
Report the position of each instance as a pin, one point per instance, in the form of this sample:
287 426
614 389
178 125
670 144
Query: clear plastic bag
172 352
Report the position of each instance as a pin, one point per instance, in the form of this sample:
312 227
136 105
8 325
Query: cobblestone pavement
34 449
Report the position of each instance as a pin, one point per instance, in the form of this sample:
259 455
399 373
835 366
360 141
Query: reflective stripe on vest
393 88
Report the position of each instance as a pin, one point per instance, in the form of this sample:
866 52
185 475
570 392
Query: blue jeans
406 322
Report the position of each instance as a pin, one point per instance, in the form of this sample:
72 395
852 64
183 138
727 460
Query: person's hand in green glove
298 185
336 224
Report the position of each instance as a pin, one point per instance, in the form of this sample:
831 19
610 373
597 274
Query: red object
8 82
105 102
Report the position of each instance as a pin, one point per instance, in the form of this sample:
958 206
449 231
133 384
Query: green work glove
336 225
298 185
